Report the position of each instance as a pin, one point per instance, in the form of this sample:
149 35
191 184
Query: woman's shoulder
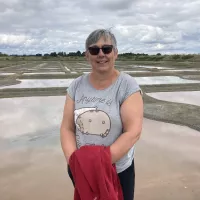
75 84
128 86
78 80
127 79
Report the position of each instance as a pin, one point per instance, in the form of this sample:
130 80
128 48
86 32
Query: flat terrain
32 95
51 78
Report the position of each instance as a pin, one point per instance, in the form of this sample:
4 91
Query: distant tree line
62 54
3 54
156 57
125 56
52 54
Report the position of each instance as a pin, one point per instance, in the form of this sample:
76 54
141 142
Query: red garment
94 175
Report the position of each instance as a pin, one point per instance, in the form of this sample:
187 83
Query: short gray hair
97 34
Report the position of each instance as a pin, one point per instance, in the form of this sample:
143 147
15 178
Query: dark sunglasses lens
107 50
94 50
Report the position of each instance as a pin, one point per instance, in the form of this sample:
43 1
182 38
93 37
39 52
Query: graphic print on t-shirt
92 121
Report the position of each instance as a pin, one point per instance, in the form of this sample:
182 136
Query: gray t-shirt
97 112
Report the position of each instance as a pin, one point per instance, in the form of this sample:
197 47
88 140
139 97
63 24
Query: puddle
44 73
45 83
136 71
83 64
6 74
149 67
181 70
50 68
167 154
20 116
167 157
157 80
189 97
41 83
67 69
143 66
84 68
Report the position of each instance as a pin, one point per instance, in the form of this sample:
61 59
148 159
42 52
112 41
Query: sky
140 26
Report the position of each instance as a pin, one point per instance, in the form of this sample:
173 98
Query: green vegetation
175 60
124 56
159 57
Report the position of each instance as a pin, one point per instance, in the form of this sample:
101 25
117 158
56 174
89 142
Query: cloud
115 4
42 26
16 40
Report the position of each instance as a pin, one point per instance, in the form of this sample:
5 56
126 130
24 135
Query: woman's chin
102 67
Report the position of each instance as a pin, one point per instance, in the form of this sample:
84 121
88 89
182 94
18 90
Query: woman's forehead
103 40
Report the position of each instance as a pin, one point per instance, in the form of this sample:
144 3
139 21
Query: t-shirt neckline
111 85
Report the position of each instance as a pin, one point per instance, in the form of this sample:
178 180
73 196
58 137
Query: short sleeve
71 90
128 87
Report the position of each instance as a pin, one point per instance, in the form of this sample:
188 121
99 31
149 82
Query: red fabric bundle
94 175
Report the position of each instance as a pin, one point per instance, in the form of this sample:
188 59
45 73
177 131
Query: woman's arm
67 129
132 119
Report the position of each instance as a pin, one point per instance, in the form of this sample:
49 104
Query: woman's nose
101 53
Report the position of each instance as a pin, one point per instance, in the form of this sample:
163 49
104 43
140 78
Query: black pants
127 180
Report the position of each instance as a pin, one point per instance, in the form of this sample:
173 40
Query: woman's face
102 62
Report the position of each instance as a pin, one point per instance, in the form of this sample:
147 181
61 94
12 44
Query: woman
104 107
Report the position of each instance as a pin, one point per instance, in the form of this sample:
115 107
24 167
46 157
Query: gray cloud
115 4
140 26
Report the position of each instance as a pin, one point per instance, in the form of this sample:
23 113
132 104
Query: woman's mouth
102 62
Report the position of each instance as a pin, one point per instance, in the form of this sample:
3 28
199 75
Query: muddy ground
33 166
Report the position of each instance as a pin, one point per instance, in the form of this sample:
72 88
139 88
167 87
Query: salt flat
188 97
41 83
156 80
181 70
33 166
143 66
166 157
84 64
132 71
44 73
21 116
45 83
151 67
6 73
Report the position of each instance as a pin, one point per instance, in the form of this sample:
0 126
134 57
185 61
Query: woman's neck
103 80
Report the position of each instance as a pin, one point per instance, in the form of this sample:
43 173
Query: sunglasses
94 50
